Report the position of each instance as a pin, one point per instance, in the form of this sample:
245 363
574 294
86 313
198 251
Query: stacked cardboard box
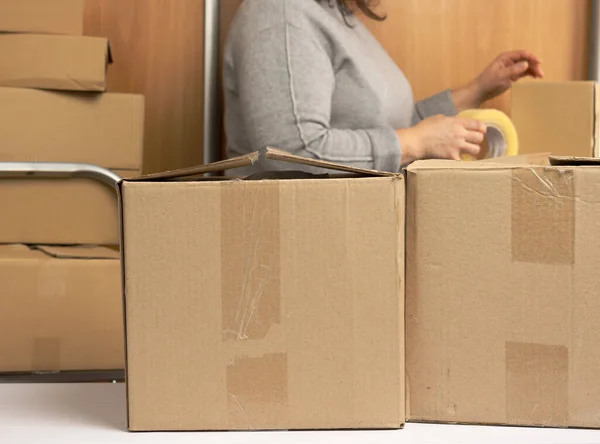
64 312
61 309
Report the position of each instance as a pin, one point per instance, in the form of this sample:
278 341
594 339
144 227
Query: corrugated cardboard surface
53 62
502 294
42 16
555 117
59 211
46 126
61 309
264 304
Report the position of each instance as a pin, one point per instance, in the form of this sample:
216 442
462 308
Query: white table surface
95 413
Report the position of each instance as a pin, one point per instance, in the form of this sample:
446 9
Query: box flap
250 159
223 165
284 156
79 252
574 161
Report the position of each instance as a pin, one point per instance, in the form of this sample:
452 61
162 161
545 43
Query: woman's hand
505 70
441 137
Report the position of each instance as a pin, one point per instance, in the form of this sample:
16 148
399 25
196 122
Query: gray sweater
296 77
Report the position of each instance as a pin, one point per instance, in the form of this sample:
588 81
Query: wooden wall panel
158 47
445 43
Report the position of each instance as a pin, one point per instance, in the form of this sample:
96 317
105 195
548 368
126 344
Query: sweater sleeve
285 81
441 103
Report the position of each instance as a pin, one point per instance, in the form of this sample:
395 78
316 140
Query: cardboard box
42 16
559 117
47 126
502 294
264 304
66 211
61 309
43 126
54 62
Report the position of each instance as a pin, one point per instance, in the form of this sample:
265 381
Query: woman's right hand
441 137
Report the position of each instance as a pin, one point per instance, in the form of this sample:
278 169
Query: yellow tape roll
501 133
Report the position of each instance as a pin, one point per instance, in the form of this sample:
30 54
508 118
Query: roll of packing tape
501 134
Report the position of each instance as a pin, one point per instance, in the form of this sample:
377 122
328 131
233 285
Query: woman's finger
475 137
454 155
473 125
470 148
517 70
535 70
520 54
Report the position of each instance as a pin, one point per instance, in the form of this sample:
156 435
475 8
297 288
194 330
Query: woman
306 76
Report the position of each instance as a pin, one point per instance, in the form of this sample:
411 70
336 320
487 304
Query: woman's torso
370 90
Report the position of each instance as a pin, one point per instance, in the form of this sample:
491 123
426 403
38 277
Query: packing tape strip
501 133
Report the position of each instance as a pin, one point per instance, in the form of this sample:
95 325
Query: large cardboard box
54 62
502 294
559 117
42 16
264 304
44 126
61 309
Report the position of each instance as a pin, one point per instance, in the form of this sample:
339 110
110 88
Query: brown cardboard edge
419 420
252 158
400 197
574 161
538 159
552 83
364 428
504 162
439 164
19 252
123 298
223 165
284 156
410 239
58 253
596 141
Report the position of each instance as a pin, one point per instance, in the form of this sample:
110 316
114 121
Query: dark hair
348 7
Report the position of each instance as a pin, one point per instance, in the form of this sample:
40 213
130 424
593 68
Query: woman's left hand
499 76
506 69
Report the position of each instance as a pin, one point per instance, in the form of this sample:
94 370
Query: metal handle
56 170
212 84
